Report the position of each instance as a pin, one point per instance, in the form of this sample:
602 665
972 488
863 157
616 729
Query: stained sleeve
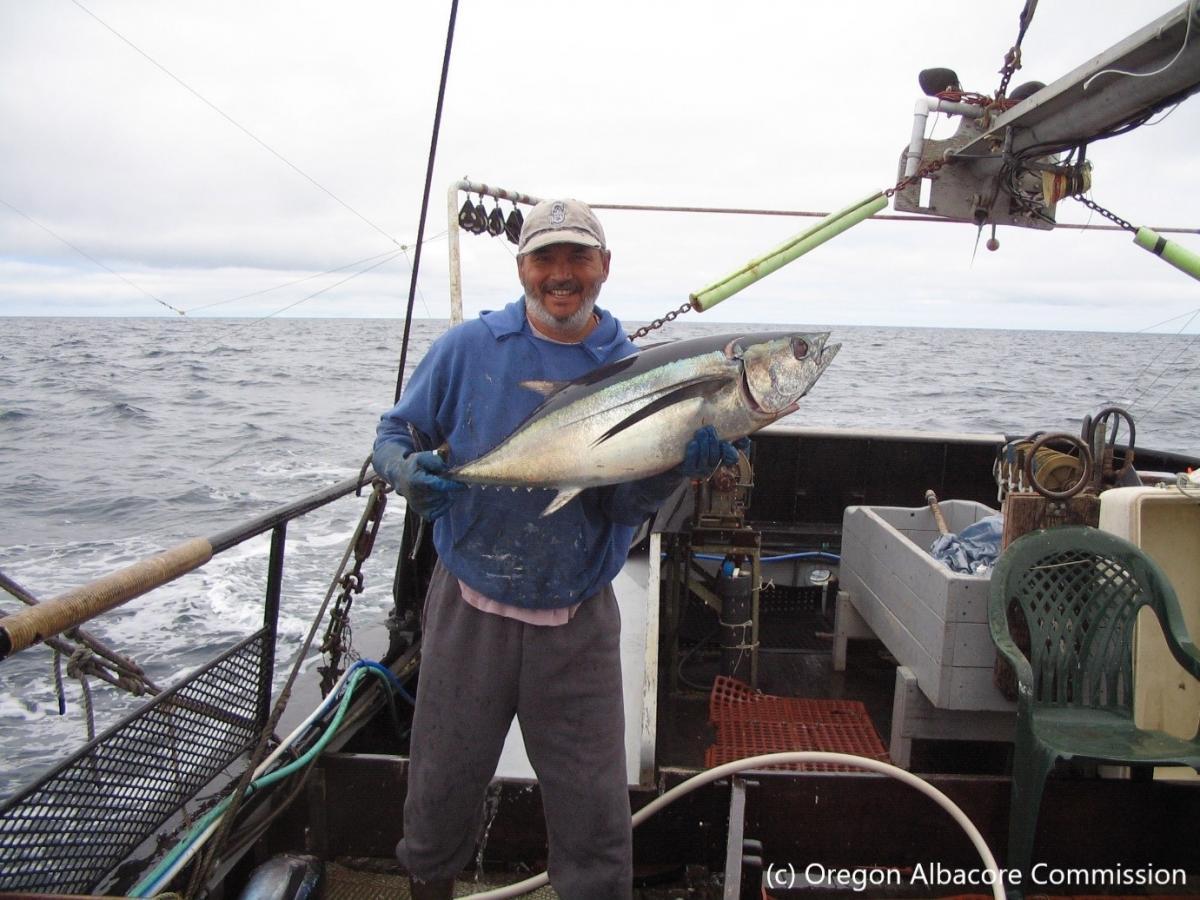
412 424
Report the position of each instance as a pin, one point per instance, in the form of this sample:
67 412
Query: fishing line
91 258
420 293
1164 369
1165 321
1178 383
330 287
236 124
433 142
277 287
403 247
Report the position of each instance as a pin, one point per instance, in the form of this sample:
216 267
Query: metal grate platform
66 831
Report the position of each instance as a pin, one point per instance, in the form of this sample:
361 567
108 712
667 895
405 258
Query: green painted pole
1180 257
831 226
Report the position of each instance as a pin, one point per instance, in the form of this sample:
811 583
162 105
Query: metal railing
69 829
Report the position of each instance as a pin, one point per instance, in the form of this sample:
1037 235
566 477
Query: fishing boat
789 606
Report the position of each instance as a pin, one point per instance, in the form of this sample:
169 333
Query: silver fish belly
633 418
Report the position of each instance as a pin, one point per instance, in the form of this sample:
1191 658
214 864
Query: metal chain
930 167
1012 59
338 640
659 323
1111 216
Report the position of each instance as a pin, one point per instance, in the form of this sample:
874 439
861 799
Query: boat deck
804 669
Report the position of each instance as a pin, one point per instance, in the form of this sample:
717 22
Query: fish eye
799 348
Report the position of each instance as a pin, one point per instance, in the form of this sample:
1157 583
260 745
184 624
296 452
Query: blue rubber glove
417 477
705 452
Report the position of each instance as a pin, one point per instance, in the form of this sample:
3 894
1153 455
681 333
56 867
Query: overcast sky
793 105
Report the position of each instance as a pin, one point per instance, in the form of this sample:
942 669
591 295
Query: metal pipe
29 626
266 672
36 623
926 105
233 536
738 648
452 242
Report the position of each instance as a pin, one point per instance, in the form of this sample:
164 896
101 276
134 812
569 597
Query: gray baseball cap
560 222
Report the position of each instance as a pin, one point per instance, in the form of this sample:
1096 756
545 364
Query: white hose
774 759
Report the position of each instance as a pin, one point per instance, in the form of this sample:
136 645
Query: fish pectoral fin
704 386
561 499
545 388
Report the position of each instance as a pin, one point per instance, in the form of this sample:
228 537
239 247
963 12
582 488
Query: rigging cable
885 217
246 131
437 122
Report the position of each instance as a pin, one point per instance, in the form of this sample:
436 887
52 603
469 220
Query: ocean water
120 437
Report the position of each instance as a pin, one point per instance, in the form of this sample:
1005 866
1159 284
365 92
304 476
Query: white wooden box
932 619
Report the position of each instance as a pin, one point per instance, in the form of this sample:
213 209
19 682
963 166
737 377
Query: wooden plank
904 605
900 642
914 717
973 689
847 623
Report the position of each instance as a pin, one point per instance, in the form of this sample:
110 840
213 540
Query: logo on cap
558 213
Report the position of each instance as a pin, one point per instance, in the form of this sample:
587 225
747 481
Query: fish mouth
827 355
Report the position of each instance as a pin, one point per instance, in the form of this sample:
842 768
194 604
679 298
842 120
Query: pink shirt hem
560 616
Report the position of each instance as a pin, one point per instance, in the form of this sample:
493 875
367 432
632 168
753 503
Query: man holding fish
520 616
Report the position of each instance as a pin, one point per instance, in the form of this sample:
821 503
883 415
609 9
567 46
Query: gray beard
538 312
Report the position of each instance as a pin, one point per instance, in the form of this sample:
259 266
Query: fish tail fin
561 499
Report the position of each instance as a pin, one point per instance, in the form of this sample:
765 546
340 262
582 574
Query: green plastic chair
1080 590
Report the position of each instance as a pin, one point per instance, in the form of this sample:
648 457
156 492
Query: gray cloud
765 104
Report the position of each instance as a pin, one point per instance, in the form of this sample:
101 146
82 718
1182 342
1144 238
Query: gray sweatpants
564 684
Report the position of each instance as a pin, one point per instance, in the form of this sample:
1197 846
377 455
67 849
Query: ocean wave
119 409
152 439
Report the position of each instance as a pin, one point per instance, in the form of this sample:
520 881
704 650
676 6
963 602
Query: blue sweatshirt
466 392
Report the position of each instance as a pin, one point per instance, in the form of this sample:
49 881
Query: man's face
562 282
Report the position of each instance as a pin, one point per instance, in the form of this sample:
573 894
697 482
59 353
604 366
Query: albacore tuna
633 418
